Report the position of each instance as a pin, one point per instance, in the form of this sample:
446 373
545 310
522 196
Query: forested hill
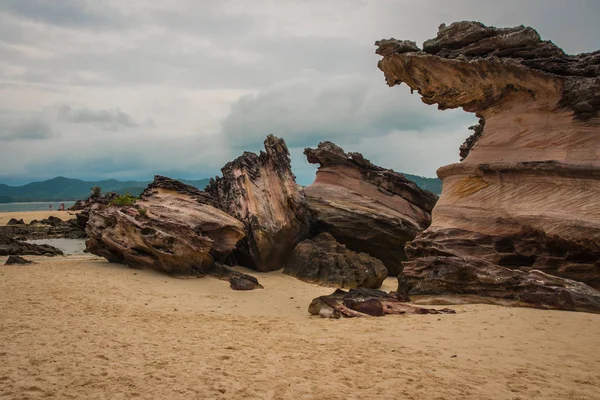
432 184
61 188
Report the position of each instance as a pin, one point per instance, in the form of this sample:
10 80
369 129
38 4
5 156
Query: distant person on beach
62 206
50 207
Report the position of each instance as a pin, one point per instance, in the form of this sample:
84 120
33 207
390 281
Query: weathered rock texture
368 208
324 261
94 198
172 228
363 303
10 246
84 206
261 191
525 196
477 280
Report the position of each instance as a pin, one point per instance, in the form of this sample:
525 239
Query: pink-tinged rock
261 191
172 228
525 196
368 208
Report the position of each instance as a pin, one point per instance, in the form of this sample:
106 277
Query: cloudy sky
94 89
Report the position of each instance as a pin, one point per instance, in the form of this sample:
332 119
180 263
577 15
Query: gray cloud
216 77
108 120
26 129
343 108
66 13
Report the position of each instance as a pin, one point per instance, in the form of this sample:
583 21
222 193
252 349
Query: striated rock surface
261 191
525 195
324 261
368 208
171 228
363 303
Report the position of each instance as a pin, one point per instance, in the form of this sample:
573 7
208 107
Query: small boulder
237 280
324 261
13 260
14 221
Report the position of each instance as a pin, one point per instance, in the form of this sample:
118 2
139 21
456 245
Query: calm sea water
34 206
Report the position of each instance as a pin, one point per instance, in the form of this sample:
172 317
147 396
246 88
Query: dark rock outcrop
261 191
17 260
49 228
524 196
368 208
365 302
324 261
478 280
10 246
171 228
14 221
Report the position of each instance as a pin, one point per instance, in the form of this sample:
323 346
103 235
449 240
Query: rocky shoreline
517 222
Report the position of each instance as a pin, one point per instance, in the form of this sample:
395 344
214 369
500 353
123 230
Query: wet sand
80 327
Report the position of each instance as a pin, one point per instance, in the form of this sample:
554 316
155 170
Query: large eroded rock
525 196
172 228
368 208
324 261
261 191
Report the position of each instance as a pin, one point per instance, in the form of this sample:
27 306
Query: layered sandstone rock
525 196
261 191
324 261
172 228
368 208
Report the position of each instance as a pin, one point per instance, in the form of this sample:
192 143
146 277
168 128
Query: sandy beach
79 327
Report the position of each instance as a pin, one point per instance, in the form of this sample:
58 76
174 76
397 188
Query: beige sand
79 327
31 215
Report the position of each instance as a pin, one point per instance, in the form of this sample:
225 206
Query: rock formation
172 228
17 260
96 197
525 196
324 261
261 191
368 208
363 303
476 280
14 221
237 280
84 206
51 227
10 246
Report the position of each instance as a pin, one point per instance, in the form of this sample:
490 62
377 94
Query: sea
34 206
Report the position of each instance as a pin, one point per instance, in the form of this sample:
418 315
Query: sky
96 89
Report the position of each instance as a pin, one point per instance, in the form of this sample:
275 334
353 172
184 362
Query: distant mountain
61 188
432 184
